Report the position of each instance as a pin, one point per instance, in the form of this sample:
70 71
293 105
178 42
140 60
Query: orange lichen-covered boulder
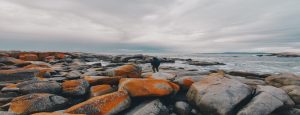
186 81
29 57
99 80
25 73
75 87
59 55
49 58
147 87
43 55
40 70
10 88
130 70
108 104
100 90
37 102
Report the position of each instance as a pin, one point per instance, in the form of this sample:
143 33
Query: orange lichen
175 87
70 85
49 58
60 55
188 82
100 90
21 104
42 69
11 86
147 87
102 105
130 70
36 56
29 57
43 55
98 80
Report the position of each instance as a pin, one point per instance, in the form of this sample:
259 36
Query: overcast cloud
151 25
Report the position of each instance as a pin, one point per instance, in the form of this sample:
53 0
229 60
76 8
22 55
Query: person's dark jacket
155 62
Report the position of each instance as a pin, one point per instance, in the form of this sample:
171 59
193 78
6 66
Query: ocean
239 62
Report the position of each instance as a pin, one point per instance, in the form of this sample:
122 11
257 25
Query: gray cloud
151 25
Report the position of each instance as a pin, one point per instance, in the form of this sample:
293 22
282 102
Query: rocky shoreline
74 83
282 54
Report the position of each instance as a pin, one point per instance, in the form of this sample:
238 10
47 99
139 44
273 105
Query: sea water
239 62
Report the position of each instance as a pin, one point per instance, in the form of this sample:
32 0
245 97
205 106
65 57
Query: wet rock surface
75 83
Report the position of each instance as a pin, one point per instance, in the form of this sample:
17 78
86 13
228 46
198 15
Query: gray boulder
293 111
182 108
154 107
37 102
39 87
267 99
6 97
262 104
283 79
278 93
216 94
293 91
10 60
7 113
73 75
17 75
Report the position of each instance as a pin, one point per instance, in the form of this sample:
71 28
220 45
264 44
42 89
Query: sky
180 26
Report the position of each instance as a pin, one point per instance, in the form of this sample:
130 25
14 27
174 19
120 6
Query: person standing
155 62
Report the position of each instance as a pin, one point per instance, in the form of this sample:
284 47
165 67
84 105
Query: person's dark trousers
155 69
